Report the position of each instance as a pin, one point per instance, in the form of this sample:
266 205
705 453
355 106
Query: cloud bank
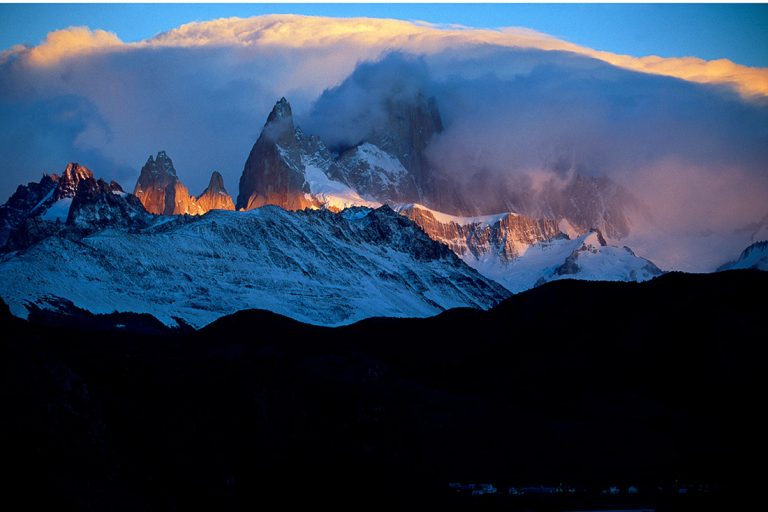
687 136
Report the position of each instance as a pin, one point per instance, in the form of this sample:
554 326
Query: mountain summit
215 197
274 173
71 205
160 190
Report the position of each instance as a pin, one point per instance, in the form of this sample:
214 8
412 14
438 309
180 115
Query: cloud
71 42
686 135
369 36
519 119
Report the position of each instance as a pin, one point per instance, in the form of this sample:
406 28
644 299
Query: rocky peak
163 165
160 190
98 204
158 169
215 197
274 171
73 204
279 127
595 238
281 110
23 203
216 184
70 179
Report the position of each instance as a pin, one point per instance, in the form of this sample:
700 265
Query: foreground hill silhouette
592 384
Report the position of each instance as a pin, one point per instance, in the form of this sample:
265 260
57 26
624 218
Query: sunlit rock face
502 236
160 190
72 204
521 252
215 196
274 171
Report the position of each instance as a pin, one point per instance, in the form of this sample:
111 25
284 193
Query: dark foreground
561 393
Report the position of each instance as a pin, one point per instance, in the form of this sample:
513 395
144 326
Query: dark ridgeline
586 383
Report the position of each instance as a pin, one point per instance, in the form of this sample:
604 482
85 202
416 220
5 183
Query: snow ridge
314 266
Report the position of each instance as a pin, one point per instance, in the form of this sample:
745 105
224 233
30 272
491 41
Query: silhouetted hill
589 384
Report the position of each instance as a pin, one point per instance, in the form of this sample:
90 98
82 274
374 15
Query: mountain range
324 235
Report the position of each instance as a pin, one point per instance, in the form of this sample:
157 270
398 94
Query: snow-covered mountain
316 266
292 170
390 163
330 254
70 205
22 203
755 256
521 252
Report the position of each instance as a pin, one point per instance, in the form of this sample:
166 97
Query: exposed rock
369 168
521 252
215 197
501 236
160 190
75 206
22 203
274 171
98 205
375 174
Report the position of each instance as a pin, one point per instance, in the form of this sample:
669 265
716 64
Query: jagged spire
70 179
217 182
273 172
281 110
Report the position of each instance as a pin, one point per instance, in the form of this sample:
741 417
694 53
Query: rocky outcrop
21 204
503 236
274 171
521 252
98 205
591 202
160 190
75 205
375 174
390 164
70 180
215 197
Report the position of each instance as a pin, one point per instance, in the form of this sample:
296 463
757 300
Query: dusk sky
670 101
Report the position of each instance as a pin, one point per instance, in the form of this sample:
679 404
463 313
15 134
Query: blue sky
736 32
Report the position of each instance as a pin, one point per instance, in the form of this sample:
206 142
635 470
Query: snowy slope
333 195
520 252
586 257
315 266
755 256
